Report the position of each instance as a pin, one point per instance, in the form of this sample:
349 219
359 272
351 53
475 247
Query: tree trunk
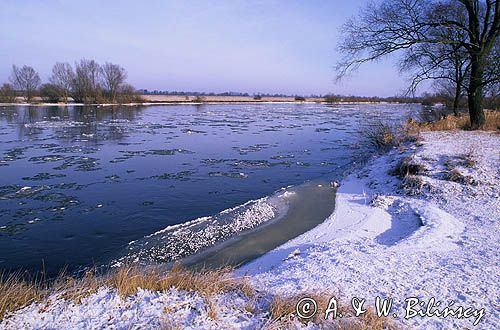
456 100
475 93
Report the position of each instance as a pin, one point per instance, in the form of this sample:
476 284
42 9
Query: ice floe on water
234 175
181 240
54 124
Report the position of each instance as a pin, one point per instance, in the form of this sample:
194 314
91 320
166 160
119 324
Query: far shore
195 100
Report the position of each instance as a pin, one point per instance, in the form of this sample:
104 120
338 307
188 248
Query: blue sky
282 46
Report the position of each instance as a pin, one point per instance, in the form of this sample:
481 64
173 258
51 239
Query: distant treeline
257 96
374 99
158 92
491 101
88 82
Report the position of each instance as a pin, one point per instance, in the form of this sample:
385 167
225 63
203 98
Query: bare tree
452 92
25 79
403 25
62 77
86 87
113 78
492 71
128 94
7 93
446 64
483 29
452 75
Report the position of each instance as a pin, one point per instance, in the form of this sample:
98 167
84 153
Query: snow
379 241
440 241
145 310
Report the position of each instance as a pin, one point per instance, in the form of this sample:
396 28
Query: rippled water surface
78 184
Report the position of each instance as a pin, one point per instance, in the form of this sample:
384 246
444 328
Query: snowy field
433 233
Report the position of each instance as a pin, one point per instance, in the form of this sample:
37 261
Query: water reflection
72 121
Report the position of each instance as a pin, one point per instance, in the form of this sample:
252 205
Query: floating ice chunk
54 124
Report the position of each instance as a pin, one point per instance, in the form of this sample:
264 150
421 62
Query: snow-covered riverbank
433 233
424 236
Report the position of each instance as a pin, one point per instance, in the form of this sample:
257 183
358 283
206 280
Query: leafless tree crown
62 77
25 79
439 39
114 77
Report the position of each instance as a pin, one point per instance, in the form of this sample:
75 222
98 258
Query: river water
83 186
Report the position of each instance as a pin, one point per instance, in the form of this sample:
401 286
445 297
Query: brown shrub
382 136
7 93
199 99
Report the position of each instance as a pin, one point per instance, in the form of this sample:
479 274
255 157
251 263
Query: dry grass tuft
407 166
452 122
212 309
456 176
413 185
17 292
468 159
283 308
382 136
207 282
128 279
283 311
75 289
